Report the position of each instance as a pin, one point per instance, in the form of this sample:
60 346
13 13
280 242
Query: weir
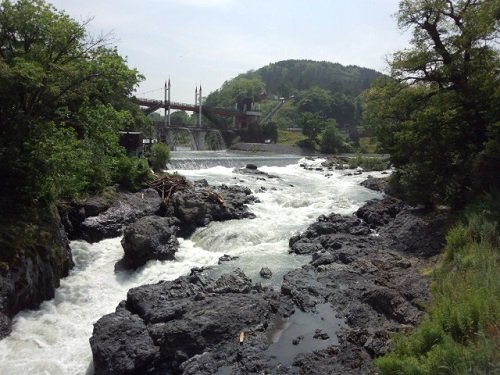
197 139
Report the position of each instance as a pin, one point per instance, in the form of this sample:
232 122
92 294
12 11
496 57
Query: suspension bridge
202 135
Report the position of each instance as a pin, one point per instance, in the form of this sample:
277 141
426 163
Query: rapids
54 339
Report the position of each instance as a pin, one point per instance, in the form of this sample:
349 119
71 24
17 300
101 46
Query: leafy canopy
63 98
438 116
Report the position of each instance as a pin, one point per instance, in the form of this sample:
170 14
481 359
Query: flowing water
54 339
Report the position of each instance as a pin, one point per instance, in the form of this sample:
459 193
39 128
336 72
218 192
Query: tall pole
196 96
169 89
199 102
164 130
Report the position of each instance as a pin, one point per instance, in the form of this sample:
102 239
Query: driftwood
212 195
168 184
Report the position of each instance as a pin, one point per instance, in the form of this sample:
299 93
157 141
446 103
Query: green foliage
132 173
460 334
369 163
326 89
331 140
438 116
235 91
63 98
289 137
287 77
160 155
312 125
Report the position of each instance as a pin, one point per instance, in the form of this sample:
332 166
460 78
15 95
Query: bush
132 173
160 155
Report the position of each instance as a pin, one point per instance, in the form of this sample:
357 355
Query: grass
368 145
369 163
289 138
461 334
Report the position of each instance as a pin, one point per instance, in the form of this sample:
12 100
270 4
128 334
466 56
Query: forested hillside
311 95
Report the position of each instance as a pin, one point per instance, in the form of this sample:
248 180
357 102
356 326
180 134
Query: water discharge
54 338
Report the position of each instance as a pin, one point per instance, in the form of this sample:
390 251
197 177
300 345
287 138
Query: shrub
132 173
160 155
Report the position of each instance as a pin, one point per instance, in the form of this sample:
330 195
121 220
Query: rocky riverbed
34 258
332 316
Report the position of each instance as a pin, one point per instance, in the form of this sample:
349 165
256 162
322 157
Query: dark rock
380 212
417 231
265 273
319 334
128 208
377 184
254 172
150 237
121 344
33 258
167 328
371 281
196 208
251 166
226 258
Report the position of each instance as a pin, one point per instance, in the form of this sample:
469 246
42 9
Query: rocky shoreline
362 285
333 315
31 267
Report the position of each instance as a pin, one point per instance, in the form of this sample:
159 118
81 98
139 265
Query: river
54 339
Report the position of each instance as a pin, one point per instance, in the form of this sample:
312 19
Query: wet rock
149 238
265 273
253 171
371 280
198 207
226 258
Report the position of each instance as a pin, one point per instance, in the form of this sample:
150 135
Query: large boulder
149 238
202 204
379 212
126 209
179 324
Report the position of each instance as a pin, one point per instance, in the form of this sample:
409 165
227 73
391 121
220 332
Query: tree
312 126
438 116
315 100
63 98
235 91
331 141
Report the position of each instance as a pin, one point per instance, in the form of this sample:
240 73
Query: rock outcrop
198 206
150 237
192 325
33 259
99 218
358 276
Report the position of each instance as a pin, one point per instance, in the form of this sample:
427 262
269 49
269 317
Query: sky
207 42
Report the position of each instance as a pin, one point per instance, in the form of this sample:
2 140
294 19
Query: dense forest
318 97
64 95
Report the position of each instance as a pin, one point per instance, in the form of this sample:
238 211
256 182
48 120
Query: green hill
284 91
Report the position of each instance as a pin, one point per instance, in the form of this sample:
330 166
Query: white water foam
54 339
